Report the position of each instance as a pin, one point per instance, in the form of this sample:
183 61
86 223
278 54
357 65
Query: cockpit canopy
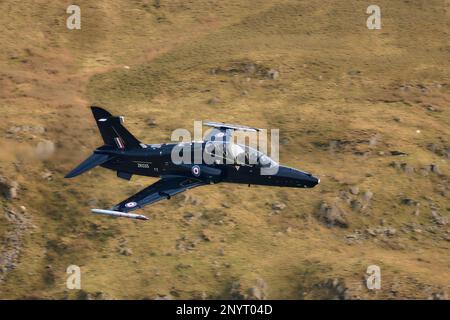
232 153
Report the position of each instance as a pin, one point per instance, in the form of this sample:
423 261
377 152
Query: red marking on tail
120 143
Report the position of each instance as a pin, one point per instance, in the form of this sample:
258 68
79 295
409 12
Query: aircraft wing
162 189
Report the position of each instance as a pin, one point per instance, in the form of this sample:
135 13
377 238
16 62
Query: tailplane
94 160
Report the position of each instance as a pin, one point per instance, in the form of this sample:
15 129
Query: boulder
332 215
278 206
213 101
368 196
354 190
8 189
273 74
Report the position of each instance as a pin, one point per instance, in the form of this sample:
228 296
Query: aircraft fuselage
156 161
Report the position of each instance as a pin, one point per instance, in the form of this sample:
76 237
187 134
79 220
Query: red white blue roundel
130 204
196 170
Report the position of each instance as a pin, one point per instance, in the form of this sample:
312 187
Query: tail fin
112 131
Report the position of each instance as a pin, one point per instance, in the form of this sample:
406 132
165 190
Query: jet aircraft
231 163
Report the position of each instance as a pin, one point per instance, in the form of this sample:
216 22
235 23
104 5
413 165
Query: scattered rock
248 69
256 292
354 72
13 190
345 196
406 168
12 240
8 189
273 74
390 231
387 231
27 129
184 244
151 122
278 206
398 153
49 275
409 202
337 289
188 216
47 175
356 205
235 292
438 296
206 235
182 266
441 150
160 296
354 190
438 219
374 140
190 200
213 101
332 215
435 168
367 196
125 251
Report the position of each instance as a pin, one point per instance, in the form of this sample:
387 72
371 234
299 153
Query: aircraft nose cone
299 178
310 181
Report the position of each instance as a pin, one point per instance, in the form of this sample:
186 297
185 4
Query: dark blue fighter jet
231 162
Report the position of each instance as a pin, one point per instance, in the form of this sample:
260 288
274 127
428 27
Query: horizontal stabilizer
94 160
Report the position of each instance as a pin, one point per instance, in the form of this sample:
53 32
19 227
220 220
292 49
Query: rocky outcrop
12 241
256 292
8 189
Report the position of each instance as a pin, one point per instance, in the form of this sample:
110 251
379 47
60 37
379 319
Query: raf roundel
131 204
196 171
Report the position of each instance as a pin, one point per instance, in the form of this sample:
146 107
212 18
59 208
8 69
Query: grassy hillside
367 111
